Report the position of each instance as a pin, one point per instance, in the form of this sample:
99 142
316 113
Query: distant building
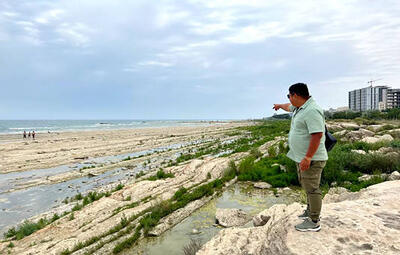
373 98
339 109
393 98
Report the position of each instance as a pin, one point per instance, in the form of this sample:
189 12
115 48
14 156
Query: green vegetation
180 199
140 174
87 167
27 228
343 166
160 175
390 114
255 152
264 171
127 158
256 136
118 187
178 194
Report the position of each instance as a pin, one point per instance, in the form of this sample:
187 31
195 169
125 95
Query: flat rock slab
262 185
231 217
367 222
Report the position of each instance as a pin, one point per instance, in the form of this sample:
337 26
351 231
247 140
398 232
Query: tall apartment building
367 98
393 98
374 98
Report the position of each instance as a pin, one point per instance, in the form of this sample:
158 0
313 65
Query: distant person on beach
24 135
307 148
33 134
29 134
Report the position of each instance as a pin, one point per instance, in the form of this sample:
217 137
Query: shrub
360 185
246 165
179 193
77 207
387 127
263 171
55 217
78 196
65 252
26 229
272 152
395 143
124 221
128 242
127 158
282 148
255 152
374 162
140 174
160 175
118 187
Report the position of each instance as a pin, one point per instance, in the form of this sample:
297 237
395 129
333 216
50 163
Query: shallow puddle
241 196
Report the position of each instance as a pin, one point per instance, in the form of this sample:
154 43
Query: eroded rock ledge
366 222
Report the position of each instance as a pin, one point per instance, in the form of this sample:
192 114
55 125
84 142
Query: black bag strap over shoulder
330 141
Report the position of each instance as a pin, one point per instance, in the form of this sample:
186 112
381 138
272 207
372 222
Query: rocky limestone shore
365 222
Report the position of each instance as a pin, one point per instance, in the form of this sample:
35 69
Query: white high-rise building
374 98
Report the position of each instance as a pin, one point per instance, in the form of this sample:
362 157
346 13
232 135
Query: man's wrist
308 158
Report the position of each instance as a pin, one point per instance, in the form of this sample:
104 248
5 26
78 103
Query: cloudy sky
196 59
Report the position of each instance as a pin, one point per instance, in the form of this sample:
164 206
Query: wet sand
54 149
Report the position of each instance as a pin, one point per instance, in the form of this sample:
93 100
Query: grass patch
140 174
160 175
264 171
87 167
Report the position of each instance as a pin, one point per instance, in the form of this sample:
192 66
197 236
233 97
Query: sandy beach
49 150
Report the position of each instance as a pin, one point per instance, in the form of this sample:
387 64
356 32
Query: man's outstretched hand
276 107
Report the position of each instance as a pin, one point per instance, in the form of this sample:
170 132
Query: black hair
299 89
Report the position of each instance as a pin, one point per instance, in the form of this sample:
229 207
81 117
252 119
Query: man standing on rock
307 148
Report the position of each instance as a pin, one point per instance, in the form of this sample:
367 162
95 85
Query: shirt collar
308 102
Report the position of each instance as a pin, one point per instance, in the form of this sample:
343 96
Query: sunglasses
288 96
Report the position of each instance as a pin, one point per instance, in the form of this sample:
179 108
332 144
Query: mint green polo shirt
306 120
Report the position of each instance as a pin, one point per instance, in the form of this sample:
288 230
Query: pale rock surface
365 177
98 217
366 222
376 139
359 134
340 133
375 127
359 152
395 132
264 148
349 125
394 176
262 185
231 217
